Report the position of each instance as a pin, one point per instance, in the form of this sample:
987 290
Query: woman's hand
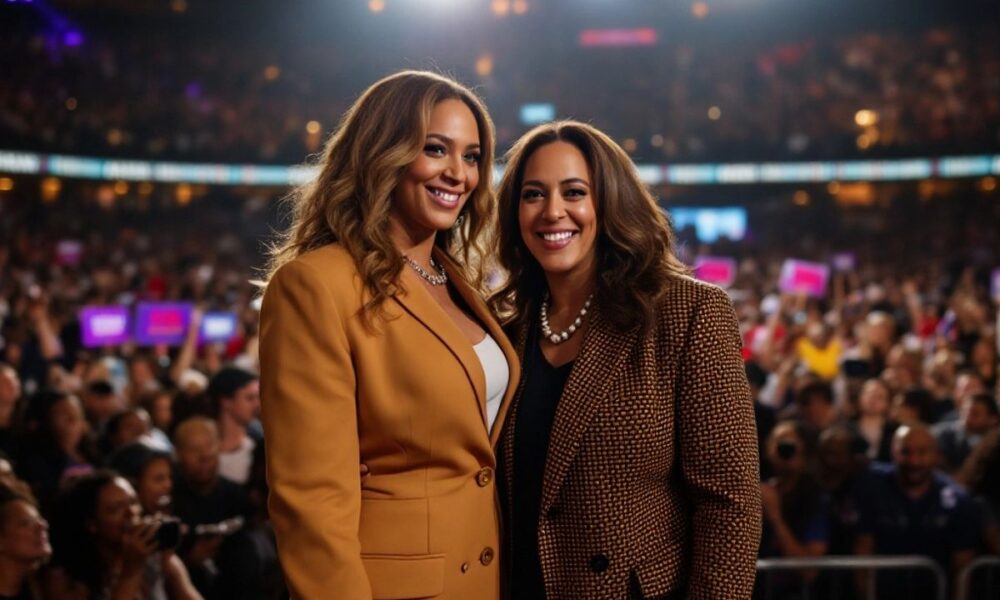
138 544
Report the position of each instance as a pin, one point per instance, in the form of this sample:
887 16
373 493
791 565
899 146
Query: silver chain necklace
562 336
440 279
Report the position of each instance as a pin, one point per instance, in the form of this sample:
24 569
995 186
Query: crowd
930 91
876 404
132 471
94 439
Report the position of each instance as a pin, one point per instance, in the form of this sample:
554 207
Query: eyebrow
537 183
449 141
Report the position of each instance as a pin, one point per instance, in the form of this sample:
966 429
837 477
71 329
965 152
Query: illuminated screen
104 326
539 112
711 223
643 36
162 323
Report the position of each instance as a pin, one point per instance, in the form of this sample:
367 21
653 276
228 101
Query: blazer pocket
654 579
394 527
395 577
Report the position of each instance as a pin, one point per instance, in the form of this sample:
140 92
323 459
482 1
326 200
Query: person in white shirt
235 394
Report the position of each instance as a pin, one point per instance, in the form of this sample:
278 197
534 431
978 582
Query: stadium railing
870 564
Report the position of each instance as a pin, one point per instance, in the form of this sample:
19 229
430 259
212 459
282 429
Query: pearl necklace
440 279
562 336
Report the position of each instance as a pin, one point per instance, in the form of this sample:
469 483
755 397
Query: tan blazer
408 401
651 485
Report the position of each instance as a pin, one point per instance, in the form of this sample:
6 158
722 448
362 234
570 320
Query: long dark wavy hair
350 200
635 258
74 546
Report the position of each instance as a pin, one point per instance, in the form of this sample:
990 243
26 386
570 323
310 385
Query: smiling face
116 512
915 453
155 485
557 213
434 188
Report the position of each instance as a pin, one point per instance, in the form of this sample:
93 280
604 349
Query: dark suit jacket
651 485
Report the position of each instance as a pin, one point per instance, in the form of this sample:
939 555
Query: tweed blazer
408 399
651 485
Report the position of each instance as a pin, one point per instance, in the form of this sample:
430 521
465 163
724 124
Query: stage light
864 141
313 127
866 118
272 72
121 188
51 186
833 188
656 141
801 198
714 113
376 6
71 103
105 197
987 184
630 145
500 7
73 39
115 137
699 10
926 189
484 65
520 7
179 6
183 194
6 184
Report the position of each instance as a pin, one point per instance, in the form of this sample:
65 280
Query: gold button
465 567
484 477
486 557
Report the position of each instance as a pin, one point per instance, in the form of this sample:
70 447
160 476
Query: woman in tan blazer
629 456
375 349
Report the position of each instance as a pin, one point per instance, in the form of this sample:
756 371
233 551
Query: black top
536 410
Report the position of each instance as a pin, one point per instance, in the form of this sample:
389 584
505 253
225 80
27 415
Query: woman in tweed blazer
628 464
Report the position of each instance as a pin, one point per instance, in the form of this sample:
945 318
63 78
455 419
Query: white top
497 376
236 465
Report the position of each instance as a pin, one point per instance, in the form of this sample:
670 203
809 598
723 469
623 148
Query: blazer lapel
475 303
602 355
419 303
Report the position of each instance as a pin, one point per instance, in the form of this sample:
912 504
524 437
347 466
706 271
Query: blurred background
834 165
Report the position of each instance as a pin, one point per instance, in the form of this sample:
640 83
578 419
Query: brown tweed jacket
651 485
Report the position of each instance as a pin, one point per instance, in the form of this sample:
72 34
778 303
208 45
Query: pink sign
162 323
802 277
642 36
720 271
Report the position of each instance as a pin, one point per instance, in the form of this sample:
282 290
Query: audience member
24 545
102 549
236 396
909 508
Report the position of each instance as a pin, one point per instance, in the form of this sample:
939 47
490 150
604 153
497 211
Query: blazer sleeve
718 454
310 426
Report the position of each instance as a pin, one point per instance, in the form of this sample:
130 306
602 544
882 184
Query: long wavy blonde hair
635 258
350 200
